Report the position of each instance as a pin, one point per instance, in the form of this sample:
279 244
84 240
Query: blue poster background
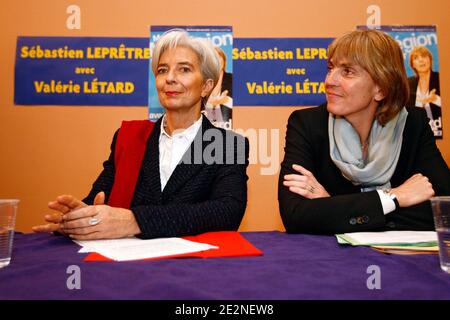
130 69
275 71
137 71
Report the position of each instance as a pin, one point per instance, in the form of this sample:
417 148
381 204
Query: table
293 267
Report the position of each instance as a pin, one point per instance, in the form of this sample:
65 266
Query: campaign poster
420 51
81 71
280 71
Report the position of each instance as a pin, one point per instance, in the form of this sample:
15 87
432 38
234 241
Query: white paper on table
135 249
93 245
386 237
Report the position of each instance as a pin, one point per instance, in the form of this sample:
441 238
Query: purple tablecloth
293 267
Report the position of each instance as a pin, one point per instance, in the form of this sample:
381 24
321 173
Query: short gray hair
204 49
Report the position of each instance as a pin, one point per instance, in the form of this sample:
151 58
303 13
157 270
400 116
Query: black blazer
227 83
349 210
434 84
203 193
227 112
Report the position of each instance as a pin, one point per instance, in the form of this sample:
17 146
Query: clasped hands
79 221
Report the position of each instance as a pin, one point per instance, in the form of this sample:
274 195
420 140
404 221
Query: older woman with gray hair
180 176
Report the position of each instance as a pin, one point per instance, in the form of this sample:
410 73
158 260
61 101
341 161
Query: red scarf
131 144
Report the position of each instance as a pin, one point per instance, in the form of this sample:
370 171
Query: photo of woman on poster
218 109
424 87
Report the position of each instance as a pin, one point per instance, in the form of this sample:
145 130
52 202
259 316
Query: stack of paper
136 249
400 242
225 244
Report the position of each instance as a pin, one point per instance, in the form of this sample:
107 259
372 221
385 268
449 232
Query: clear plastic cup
441 213
8 211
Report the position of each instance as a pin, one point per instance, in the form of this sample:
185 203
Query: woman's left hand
64 204
99 222
304 184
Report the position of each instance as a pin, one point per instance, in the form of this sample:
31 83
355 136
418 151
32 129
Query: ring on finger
93 221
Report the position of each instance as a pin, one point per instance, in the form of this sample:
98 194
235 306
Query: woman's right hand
304 184
223 98
64 204
415 190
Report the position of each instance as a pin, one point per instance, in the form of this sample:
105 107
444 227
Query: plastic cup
441 214
8 211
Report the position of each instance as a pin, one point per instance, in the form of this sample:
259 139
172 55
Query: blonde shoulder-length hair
381 56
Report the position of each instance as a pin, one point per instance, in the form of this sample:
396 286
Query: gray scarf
385 143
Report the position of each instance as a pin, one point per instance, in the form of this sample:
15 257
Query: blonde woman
362 161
